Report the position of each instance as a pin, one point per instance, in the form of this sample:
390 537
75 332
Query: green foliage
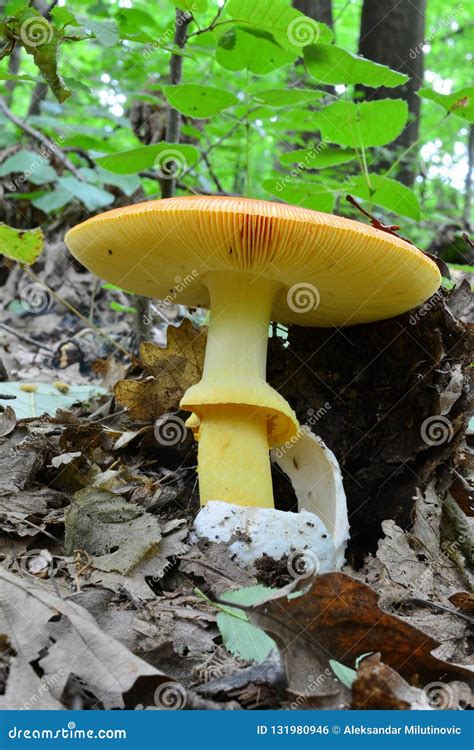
330 64
459 103
363 125
240 637
34 167
144 157
389 194
344 674
268 101
198 101
19 245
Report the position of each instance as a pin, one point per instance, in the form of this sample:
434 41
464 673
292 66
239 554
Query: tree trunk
392 33
320 10
391 400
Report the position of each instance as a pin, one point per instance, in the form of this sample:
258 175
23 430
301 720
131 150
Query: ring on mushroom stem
251 261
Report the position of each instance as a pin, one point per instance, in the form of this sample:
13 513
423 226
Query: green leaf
105 32
4 76
459 103
92 197
52 201
291 29
22 245
362 125
34 167
344 674
128 183
88 143
193 6
238 49
333 65
136 25
63 17
240 637
75 85
35 399
288 97
144 157
297 192
198 101
389 194
121 308
318 157
41 40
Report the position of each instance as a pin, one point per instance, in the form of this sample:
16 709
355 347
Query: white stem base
302 538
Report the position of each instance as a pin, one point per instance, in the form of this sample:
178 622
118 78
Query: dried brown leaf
339 618
172 371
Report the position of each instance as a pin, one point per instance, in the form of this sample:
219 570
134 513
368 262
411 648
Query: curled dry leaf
172 371
339 618
7 421
378 686
102 663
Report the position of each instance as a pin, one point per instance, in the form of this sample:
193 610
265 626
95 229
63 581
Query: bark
381 391
320 10
392 33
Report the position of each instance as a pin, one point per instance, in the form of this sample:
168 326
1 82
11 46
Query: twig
25 338
213 175
433 605
173 125
50 145
211 25
393 229
376 223
468 240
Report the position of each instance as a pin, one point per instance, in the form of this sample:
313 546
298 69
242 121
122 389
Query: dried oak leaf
102 663
339 618
172 371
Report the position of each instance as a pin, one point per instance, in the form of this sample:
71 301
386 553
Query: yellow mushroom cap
333 271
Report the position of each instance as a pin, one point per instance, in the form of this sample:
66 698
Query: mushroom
251 261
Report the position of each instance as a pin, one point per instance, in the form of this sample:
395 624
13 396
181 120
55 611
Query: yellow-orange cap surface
333 271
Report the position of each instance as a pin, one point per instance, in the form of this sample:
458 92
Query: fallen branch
40 138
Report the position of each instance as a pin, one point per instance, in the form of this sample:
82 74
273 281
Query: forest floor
107 599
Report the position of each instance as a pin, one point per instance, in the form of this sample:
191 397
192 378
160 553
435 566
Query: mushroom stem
233 460
233 457
241 306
